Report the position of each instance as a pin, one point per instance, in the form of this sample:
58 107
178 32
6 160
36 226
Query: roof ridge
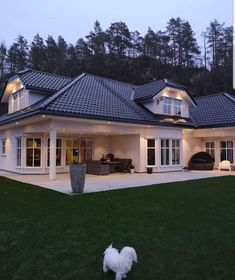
58 93
43 72
99 79
117 81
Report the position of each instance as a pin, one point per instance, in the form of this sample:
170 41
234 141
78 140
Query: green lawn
180 231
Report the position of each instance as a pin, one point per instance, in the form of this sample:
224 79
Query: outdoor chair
225 164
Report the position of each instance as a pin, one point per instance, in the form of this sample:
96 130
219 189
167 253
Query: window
150 151
172 106
210 148
85 150
167 105
170 152
175 152
58 152
165 151
33 152
18 151
78 150
226 150
72 151
17 100
3 147
176 106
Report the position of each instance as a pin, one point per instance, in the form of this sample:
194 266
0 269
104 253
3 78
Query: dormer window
17 101
172 106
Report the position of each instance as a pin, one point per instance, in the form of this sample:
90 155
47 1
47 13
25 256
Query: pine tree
37 54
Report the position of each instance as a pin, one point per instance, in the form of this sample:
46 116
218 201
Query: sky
74 19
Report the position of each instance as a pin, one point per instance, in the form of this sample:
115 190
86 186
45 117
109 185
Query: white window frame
3 147
173 106
18 100
226 149
210 148
170 149
151 148
57 148
164 148
26 148
19 151
174 150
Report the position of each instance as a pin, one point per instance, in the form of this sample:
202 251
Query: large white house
54 120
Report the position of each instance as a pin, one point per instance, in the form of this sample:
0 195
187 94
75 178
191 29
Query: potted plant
77 176
150 169
132 169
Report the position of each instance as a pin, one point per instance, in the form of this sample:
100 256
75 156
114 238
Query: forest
125 55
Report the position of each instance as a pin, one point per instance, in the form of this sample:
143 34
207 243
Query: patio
113 181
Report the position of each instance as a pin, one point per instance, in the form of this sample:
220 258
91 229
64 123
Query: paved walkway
113 181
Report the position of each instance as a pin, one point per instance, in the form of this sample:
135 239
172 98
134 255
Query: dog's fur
119 263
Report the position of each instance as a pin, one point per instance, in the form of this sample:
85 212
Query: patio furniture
96 167
125 165
225 164
201 161
112 165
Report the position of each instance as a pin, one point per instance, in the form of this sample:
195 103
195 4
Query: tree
96 39
215 40
118 38
189 44
61 53
37 53
3 54
51 55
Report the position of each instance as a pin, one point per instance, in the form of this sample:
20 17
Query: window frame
226 150
171 149
3 147
150 148
210 148
19 151
57 148
173 106
27 148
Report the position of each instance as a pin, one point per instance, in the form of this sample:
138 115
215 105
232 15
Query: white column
52 168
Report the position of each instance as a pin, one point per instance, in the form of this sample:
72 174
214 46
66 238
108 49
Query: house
54 120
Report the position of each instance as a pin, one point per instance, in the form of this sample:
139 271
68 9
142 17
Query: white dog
119 263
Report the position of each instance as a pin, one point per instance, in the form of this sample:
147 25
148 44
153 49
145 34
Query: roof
38 80
148 91
216 110
92 97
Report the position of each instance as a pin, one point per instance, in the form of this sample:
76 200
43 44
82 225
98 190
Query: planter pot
149 170
77 177
132 171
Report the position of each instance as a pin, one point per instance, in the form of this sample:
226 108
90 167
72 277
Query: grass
180 231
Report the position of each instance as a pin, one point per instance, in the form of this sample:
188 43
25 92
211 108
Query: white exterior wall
127 146
191 145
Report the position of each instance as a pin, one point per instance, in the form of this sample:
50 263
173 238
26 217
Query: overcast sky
75 18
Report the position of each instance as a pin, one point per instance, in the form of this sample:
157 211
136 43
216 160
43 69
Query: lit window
226 150
3 147
150 152
18 151
165 151
175 152
33 152
172 106
58 152
18 100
